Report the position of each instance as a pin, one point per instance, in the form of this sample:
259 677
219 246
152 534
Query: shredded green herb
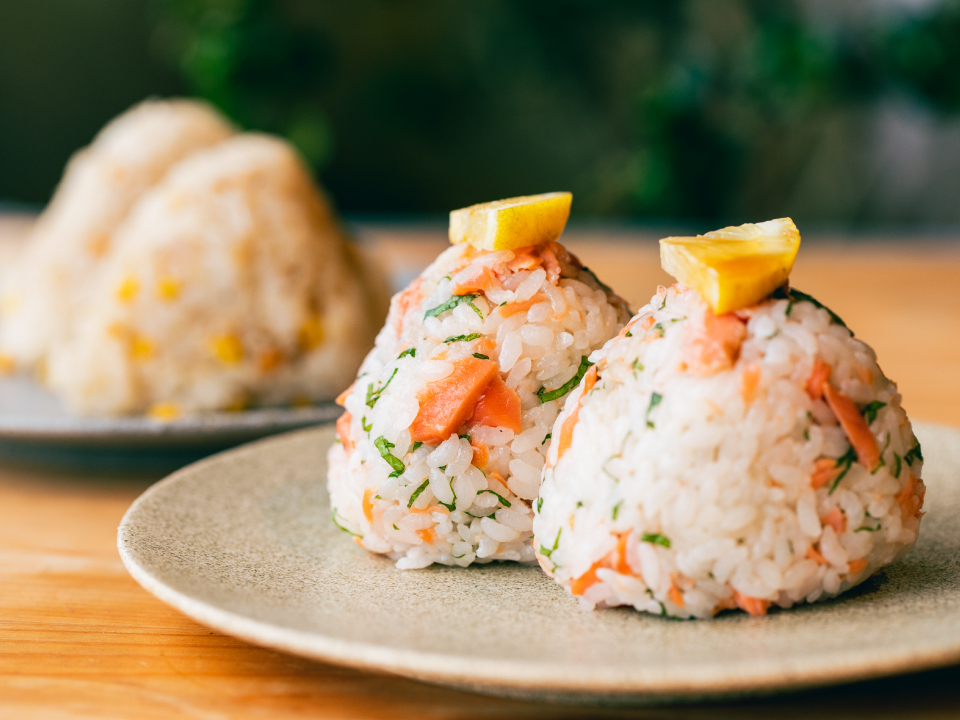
539 504
547 396
806 434
416 445
462 338
656 539
501 498
616 509
452 303
416 493
880 461
384 446
546 437
655 399
453 504
363 424
374 395
845 461
870 411
348 532
864 528
659 328
547 552
912 454
795 296
411 351
897 465
629 334
637 366
481 356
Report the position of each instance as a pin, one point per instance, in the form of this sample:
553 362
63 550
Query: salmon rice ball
707 462
448 424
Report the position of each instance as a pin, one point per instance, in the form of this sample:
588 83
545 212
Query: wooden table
80 639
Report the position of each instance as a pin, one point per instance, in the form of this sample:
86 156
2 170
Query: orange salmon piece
523 305
481 280
857 565
715 345
836 520
481 455
824 470
498 406
580 585
447 404
752 605
818 378
343 432
855 427
368 505
566 430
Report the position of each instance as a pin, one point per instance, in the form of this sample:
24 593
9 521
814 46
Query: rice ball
447 426
231 284
754 459
73 236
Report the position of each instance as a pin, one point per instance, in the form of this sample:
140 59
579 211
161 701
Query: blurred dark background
837 112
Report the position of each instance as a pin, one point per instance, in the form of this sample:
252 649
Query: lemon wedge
512 223
734 267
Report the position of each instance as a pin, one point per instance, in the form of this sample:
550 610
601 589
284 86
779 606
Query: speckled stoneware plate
35 425
243 543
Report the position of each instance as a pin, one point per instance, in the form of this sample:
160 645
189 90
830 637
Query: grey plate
34 426
243 542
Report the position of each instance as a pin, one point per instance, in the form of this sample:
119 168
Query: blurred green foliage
845 111
700 109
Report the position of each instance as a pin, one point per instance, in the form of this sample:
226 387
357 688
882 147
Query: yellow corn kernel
168 288
128 290
140 348
311 333
7 364
164 411
228 349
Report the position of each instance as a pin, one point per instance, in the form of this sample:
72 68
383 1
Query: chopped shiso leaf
845 462
463 338
501 498
337 523
452 303
374 395
871 410
411 351
417 492
546 396
656 539
912 454
384 446
655 399
481 356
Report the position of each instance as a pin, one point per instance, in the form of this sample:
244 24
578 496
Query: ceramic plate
243 542
35 425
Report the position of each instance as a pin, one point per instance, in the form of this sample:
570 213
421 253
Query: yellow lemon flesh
512 223
735 267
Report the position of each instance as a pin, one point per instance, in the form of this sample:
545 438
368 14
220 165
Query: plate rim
509 677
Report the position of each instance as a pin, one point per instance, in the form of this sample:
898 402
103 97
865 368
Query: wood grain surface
80 639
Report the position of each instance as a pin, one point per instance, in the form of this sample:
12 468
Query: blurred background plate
35 428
